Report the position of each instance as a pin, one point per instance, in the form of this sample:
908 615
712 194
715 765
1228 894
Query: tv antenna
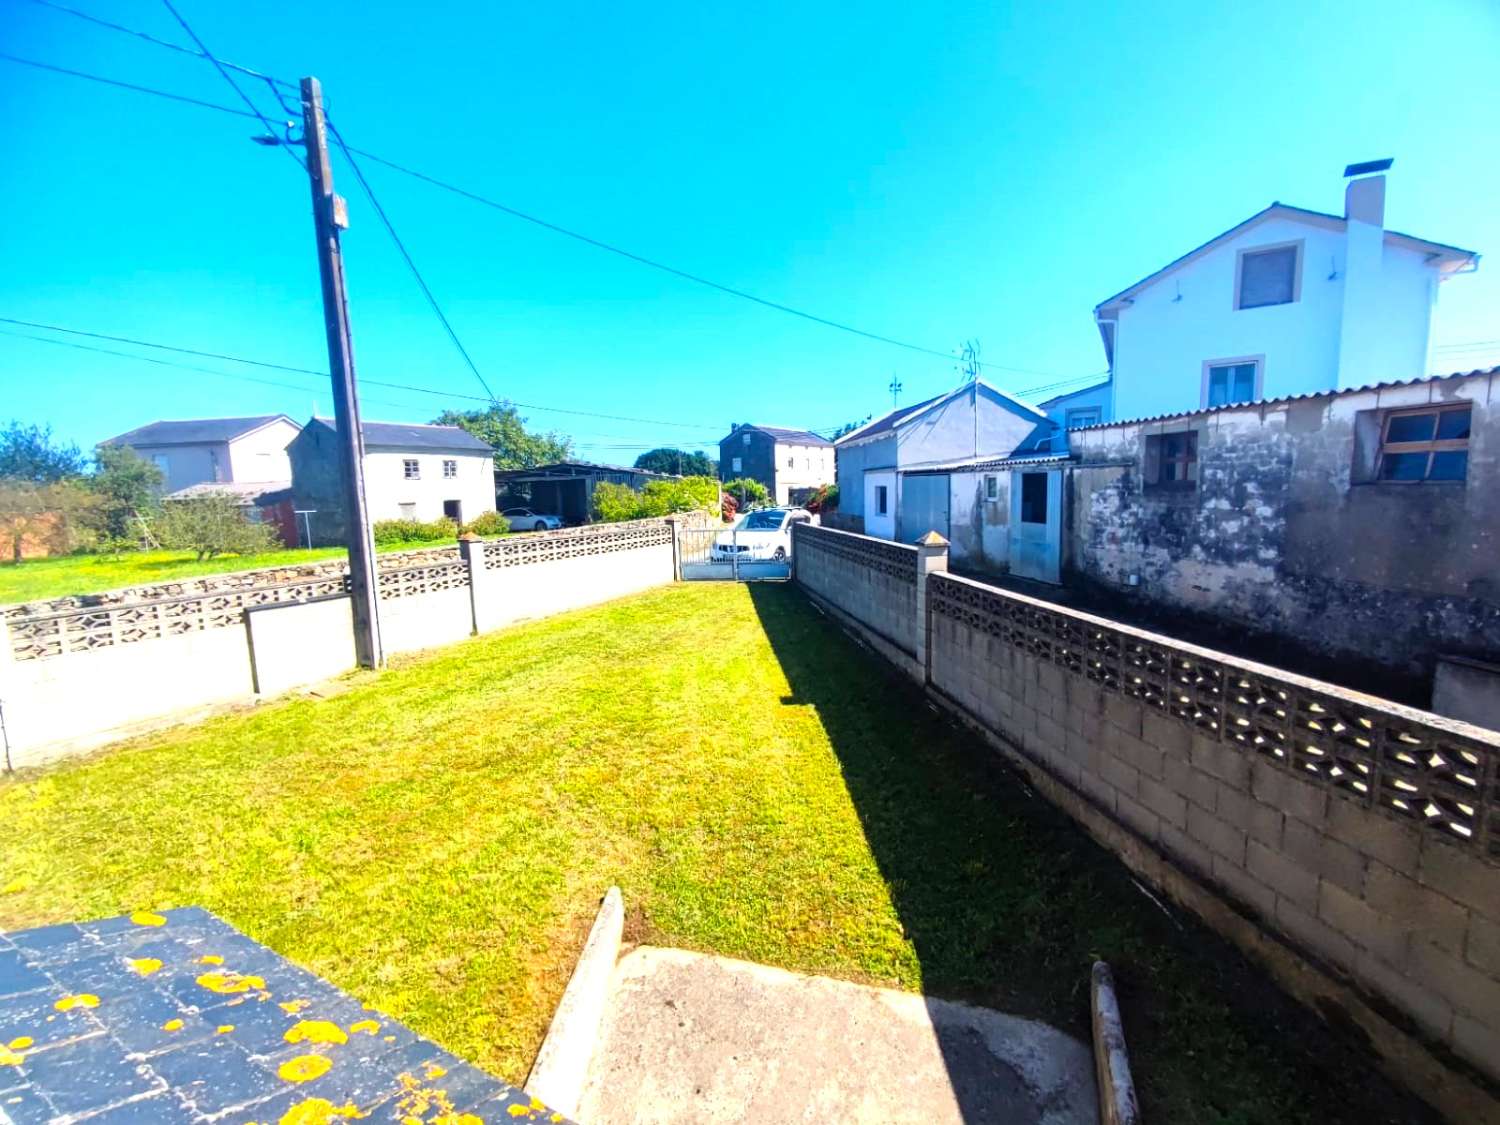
895 389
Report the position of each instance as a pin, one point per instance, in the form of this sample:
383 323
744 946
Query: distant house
892 472
201 450
565 489
262 501
792 464
412 471
1288 302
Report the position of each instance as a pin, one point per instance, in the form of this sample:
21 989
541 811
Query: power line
556 228
412 265
8 57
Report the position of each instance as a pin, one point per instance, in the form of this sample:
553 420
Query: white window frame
1096 413
450 468
1239 271
991 488
736 465
408 509
411 468
1260 379
882 500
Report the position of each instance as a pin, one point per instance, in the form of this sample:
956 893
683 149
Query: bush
215 524
616 502
747 493
487 523
387 532
824 499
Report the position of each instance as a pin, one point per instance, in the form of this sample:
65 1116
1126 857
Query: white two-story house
215 450
1288 302
412 471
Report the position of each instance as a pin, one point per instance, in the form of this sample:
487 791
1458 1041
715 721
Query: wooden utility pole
329 217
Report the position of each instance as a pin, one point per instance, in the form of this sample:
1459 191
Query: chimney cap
1368 166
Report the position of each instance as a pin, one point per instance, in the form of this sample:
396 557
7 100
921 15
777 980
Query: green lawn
33 579
435 840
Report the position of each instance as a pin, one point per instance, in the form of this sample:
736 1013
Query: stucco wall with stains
1286 534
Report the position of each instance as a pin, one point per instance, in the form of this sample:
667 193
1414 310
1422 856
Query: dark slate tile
215 1075
370 1083
35 1017
100 974
87 1075
25 1106
513 1104
147 1021
47 943
18 976
159 1109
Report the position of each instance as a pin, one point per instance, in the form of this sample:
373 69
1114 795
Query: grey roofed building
415 435
792 464
189 431
191 451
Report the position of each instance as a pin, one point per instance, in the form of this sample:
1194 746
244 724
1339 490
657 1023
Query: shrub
387 532
487 523
748 493
214 524
616 502
824 499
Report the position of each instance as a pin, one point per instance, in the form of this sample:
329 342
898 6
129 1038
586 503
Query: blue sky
932 173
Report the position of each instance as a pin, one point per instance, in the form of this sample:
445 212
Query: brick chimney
1361 355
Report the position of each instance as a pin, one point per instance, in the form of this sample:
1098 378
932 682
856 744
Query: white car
524 519
760 536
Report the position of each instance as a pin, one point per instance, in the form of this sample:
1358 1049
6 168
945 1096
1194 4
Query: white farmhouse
412 471
215 450
1288 302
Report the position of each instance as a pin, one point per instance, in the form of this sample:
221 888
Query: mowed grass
35 579
436 838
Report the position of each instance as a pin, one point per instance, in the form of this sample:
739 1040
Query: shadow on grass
1007 902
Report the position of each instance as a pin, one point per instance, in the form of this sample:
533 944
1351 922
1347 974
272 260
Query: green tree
504 430
616 502
210 525
45 515
679 462
28 453
128 488
747 492
847 428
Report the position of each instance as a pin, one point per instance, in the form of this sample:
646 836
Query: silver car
524 519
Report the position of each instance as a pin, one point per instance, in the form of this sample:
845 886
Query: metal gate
721 554
924 505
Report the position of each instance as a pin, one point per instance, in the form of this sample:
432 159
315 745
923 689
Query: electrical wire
556 228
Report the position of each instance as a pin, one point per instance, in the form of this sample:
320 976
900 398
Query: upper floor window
1230 381
450 469
410 469
1268 276
1082 416
1428 444
1172 460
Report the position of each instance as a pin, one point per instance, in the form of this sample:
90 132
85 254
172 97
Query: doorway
1036 524
454 510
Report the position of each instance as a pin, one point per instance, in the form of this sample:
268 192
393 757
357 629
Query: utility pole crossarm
330 216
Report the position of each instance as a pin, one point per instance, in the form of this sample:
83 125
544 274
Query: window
1268 276
1230 381
745 438
991 487
791 462
411 469
1033 497
880 500
1172 460
408 511
450 469
1431 444
1082 416
735 465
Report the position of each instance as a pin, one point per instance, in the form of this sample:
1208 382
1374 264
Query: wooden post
329 217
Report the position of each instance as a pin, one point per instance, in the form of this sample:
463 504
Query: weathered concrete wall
979 525
871 582
1283 536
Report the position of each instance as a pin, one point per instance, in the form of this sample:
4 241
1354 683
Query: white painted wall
948 431
387 487
1162 343
801 466
183 465
261 456
877 525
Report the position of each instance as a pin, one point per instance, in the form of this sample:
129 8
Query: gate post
675 523
471 549
932 558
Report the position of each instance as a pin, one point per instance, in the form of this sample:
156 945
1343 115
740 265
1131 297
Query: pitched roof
190 431
416 435
901 415
776 433
1320 218
1330 392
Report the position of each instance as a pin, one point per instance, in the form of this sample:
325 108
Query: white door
880 504
1036 524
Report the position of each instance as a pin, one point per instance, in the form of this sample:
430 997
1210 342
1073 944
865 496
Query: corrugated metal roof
980 464
246 491
416 435
888 421
1259 402
190 431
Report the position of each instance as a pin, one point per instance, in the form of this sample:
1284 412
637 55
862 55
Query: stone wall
1286 535
1350 845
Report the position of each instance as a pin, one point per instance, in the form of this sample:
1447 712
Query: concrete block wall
871 582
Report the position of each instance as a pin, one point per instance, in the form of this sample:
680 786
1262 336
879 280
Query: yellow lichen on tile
10 1058
435 1071
145 965
318 1111
230 982
224 1029
20 1042
81 1000
292 1007
147 918
210 959
172 1025
304 1068
315 1031
369 1027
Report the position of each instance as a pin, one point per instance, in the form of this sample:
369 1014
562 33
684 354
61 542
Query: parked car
764 535
524 519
